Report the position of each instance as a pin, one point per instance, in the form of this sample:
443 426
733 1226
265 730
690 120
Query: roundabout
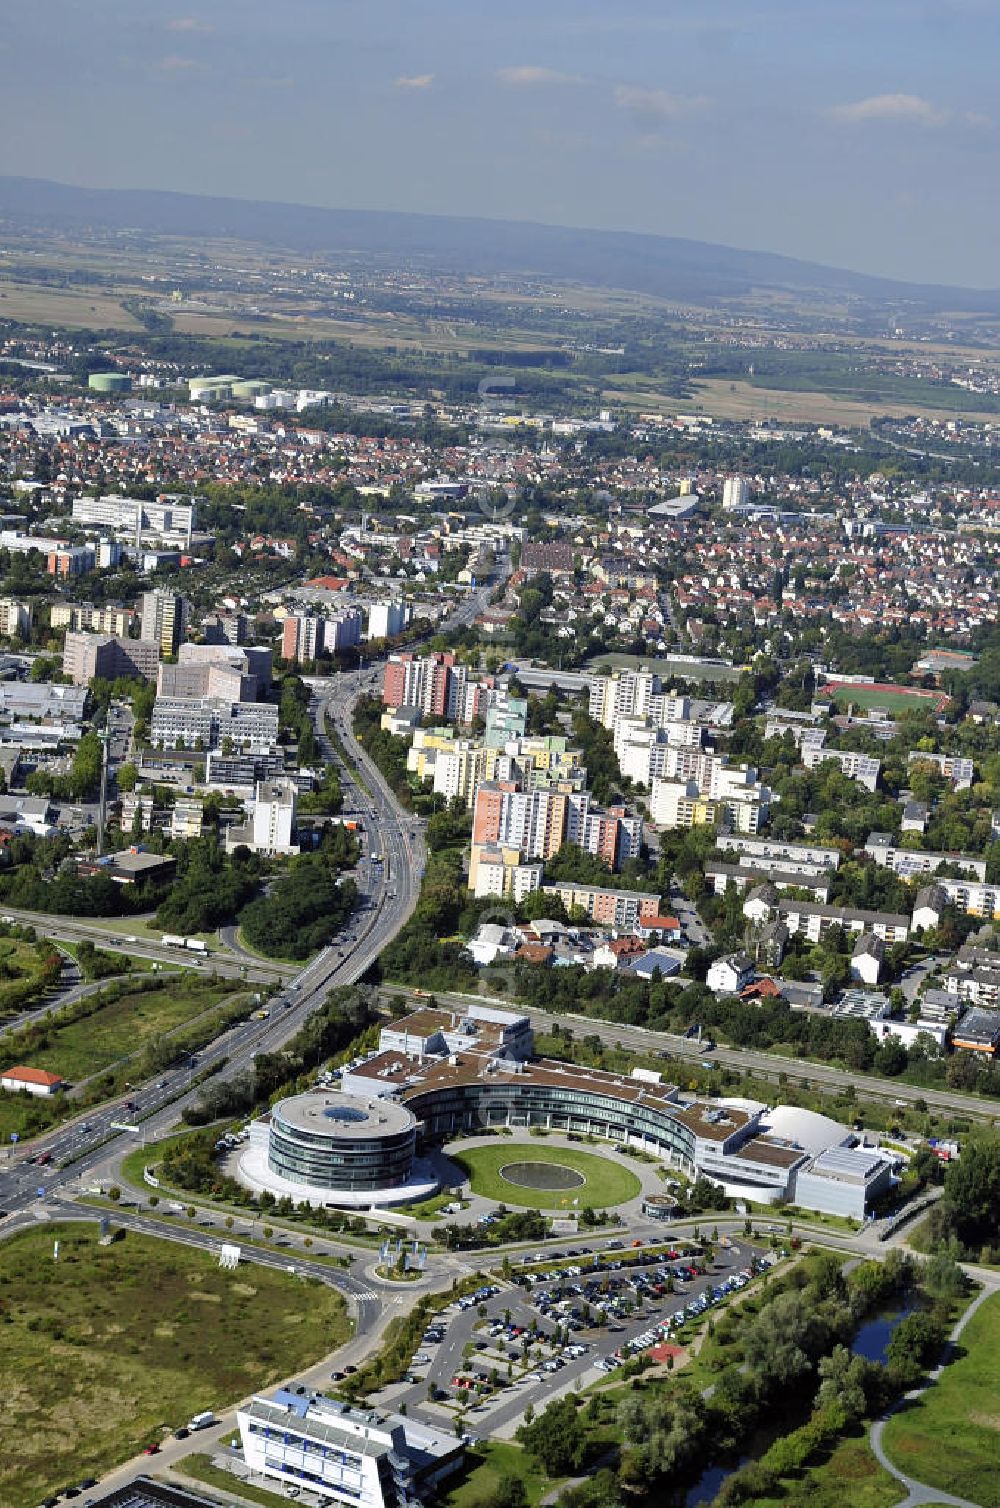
534 1176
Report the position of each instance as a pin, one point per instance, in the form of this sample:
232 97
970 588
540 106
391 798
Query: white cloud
175 64
530 75
891 107
654 106
415 81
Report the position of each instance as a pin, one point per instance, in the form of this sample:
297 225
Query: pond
710 1481
872 1340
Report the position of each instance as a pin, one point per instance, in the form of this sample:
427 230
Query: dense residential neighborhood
490 870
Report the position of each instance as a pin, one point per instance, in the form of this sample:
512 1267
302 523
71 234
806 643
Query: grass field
490 1463
725 399
88 310
106 1347
134 926
951 1437
115 1034
126 1025
850 1477
604 1182
893 698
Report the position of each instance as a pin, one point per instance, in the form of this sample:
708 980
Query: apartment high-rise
735 492
163 616
434 683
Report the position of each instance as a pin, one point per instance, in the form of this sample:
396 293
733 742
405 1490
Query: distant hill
666 266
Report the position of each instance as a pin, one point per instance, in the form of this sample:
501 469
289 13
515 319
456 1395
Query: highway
112 933
388 892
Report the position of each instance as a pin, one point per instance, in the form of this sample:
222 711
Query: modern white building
272 824
860 767
910 862
844 1181
386 619
206 721
170 519
346 1455
967 896
953 767
735 492
15 618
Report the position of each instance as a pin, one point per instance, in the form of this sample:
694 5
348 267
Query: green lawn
430 1209
896 699
489 1464
850 1477
951 1437
107 1346
150 931
605 1182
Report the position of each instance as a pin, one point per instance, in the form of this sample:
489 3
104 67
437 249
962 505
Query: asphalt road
499 1413
61 929
388 893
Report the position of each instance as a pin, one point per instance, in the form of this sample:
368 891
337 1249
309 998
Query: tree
972 1189
943 1277
556 1438
780 1342
914 1345
842 1384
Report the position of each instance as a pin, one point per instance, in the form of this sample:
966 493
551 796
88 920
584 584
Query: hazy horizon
861 137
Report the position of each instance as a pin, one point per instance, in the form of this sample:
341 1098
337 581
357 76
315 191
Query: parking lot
561 1322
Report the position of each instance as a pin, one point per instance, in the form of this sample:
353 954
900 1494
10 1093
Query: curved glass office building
340 1143
558 1102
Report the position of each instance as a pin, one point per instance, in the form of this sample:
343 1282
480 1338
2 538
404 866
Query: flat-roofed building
347 1456
908 863
206 722
978 1030
860 767
954 767
845 1181
108 658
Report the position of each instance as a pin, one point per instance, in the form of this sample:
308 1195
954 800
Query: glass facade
560 1107
336 1159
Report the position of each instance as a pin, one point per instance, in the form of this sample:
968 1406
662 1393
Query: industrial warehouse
438 1075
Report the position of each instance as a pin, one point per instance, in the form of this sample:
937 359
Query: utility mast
102 801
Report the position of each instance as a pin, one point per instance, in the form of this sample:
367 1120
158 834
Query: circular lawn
546 1178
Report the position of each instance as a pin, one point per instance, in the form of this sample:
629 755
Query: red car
151 1450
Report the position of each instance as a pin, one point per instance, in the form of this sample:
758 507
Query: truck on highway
195 945
171 940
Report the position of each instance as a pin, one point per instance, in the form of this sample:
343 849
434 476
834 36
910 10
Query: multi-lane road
388 891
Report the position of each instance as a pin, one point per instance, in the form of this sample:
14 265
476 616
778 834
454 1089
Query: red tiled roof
31 1076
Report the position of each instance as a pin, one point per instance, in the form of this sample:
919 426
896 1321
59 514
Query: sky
860 133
